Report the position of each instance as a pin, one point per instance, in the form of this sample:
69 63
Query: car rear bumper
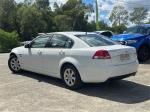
121 77
96 74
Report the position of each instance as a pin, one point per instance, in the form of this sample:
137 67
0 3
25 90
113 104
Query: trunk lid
120 54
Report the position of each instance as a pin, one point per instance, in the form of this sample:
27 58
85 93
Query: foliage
102 25
138 15
119 15
63 22
7 8
29 18
118 29
75 11
35 16
8 40
30 21
91 26
148 22
42 4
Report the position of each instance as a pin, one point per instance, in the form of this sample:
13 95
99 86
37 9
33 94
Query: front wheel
14 64
71 77
143 53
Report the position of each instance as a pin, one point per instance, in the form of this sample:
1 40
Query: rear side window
107 34
61 41
96 40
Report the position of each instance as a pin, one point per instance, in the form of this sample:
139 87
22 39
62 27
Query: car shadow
122 91
146 62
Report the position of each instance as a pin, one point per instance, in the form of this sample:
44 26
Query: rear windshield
96 40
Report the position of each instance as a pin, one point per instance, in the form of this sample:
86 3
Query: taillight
102 54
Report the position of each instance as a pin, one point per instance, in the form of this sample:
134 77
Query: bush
8 40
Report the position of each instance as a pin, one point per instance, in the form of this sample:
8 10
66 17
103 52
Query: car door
53 53
32 57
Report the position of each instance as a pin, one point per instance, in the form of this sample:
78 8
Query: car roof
74 33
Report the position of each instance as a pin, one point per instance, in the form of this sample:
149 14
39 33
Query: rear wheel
143 53
14 64
71 77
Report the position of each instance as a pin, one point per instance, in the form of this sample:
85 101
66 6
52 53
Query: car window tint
148 30
96 40
133 29
142 30
108 34
61 41
40 42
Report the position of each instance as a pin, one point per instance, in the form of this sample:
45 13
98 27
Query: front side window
96 40
61 41
40 42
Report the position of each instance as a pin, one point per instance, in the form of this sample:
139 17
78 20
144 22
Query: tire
13 64
143 53
71 77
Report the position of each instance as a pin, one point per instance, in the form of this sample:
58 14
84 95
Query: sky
106 6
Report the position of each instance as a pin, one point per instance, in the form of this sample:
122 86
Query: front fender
145 40
13 52
16 51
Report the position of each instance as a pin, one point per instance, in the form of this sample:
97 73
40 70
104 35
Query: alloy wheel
69 77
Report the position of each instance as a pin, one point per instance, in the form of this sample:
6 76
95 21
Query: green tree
138 15
56 6
102 25
8 40
148 22
43 4
7 8
30 21
63 22
28 2
119 15
48 18
91 26
118 29
76 10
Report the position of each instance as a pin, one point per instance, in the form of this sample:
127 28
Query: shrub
8 40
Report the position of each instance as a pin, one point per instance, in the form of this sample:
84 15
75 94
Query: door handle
20 55
62 53
39 53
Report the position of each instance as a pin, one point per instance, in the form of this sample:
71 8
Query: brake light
102 54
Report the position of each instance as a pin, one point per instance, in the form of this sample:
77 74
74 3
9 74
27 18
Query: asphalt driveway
30 92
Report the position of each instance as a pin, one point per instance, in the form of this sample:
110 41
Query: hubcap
69 77
14 63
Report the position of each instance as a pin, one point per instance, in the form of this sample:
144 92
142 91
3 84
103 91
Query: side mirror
28 45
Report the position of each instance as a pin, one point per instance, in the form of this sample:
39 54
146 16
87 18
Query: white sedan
75 57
